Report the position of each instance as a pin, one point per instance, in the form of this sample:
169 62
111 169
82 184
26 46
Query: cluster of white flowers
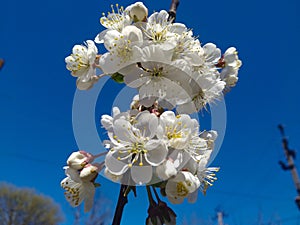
162 59
147 149
150 144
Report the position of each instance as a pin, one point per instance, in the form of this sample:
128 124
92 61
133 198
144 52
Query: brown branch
1 63
173 10
122 201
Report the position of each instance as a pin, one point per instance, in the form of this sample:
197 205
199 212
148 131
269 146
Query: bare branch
122 201
173 10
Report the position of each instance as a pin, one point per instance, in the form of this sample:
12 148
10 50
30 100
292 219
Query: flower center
157 72
159 36
174 134
123 50
135 151
182 191
114 19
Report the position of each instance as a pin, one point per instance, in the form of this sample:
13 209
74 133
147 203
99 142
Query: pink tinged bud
77 160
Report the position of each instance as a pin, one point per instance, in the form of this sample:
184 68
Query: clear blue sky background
36 94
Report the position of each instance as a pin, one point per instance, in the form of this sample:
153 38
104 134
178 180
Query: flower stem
100 154
173 10
156 195
151 200
122 201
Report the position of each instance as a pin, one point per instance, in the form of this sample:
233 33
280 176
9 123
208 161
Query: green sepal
119 78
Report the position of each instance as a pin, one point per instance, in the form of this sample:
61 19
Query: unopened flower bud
90 172
77 160
138 12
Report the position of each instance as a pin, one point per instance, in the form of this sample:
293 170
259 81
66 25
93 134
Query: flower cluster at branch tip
150 144
162 59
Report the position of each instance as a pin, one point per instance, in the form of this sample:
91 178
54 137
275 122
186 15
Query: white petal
123 130
166 170
148 101
109 63
141 174
115 166
71 191
147 123
157 152
107 122
178 28
99 39
88 194
179 158
175 200
212 53
73 174
192 198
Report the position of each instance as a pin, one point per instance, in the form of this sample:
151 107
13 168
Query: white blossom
231 67
176 130
82 63
115 20
134 148
123 49
158 78
181 186
160 30
204 89
188 48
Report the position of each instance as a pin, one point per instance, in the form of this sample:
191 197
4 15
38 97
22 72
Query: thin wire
25 157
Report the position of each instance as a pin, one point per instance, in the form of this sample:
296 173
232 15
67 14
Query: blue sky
36 95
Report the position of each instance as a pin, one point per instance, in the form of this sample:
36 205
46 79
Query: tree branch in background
173 10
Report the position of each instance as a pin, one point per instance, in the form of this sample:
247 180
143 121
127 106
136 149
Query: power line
250 195
29 158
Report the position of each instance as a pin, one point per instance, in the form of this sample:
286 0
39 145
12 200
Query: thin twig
1 63
122 201
173 10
